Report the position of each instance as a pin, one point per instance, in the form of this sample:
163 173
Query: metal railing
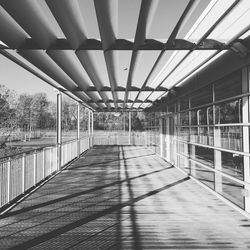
119 138
21 172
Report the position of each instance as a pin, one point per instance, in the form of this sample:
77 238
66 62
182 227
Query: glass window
210 118
232 190
183 163
204 175
232 137
183 133
184 118
202 116
194 117
232 164
204 155
232 85
229 112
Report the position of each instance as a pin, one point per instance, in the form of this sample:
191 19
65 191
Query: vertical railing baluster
8 181
23 173
35 166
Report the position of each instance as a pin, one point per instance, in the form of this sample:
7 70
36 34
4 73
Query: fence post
78 129
35 166
50 160
43 162
129 128
89 132
92 128
8 180
59 130
23 172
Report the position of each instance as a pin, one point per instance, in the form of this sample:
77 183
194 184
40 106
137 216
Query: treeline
119 121
28 112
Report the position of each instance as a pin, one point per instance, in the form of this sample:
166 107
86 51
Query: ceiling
120 54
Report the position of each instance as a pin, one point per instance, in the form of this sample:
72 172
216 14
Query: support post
59 130
161 137
246 119
35 166
92 127
78 129
8 180
217 153
23 172
89 132
129 128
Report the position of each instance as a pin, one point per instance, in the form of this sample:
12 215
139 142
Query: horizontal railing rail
120 138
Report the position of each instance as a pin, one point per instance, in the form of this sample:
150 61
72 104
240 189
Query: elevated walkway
123 197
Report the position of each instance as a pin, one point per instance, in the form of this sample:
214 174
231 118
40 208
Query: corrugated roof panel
143 66
195 59
233 24
167 12
170 64
144 95
132 95
155 95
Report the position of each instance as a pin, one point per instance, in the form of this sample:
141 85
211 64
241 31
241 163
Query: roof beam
118 101
150 44
119 109
120 89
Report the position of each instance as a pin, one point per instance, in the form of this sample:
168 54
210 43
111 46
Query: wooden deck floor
123 198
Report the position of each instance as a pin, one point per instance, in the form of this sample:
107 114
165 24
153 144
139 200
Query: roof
120 54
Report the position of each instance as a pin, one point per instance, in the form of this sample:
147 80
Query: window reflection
232 191
232 164
205 155
231 137
184 118
229 112
204 175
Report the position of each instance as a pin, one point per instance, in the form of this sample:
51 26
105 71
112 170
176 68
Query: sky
18 79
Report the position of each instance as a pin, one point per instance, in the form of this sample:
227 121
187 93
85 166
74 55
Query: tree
8 121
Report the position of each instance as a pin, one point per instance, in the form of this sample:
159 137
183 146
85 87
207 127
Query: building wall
206 133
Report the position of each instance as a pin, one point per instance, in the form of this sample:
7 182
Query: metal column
246 147
78 128
92 123
59 130
129 128
89 128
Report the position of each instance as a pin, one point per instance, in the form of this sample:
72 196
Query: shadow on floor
82 208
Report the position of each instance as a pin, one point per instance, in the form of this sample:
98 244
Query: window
229 112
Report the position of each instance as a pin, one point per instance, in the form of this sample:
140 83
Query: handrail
30 151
